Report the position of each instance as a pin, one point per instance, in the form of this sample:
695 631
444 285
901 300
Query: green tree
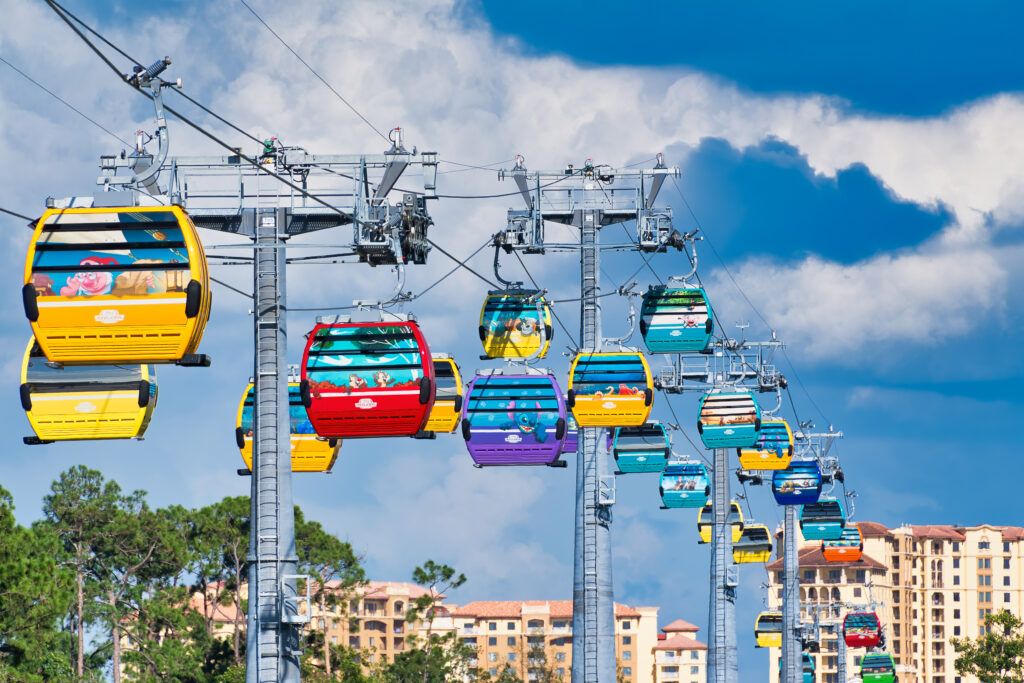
440 658
218 543
34 594
997 656
336 572
136 553
79 504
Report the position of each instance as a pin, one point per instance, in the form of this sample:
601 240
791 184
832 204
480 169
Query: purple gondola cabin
514 419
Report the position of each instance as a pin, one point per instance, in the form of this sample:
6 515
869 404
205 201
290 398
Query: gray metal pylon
273 643
842 654
722 664
792 650
593 644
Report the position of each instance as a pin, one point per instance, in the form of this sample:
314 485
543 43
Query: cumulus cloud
829 309
459 89
475 97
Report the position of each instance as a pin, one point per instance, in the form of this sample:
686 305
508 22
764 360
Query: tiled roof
513 609
873 529
1013 533
381 590
812 557
680 642
680 625
939 531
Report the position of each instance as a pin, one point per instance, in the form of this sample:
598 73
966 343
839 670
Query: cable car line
460 264
65 102
678 425
54 5
247 295
254 163
313 71
796 375
17 215
553 312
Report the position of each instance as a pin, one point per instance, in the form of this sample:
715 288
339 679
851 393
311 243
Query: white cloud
462 91
828 309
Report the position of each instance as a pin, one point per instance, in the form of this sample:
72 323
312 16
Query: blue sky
857 168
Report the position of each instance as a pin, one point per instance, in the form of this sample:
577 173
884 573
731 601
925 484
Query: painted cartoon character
382 379
90 284
526 423
356 382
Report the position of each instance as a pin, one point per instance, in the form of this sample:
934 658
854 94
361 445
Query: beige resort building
932 583
509 632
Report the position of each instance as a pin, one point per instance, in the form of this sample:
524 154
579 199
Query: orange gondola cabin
367 379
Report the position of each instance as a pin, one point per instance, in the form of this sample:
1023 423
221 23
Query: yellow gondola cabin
66 403
117 285
310 453
446 411
610 389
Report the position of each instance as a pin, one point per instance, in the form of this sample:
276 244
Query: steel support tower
816 446
722 663
792 634
241 195
593 605
587 199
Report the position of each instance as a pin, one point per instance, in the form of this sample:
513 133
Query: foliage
996 656
442 657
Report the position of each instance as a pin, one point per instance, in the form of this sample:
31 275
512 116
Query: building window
627 640
694 670
808 575
833 575
626 654
861 576
1006 580
956 563
1006 563
984 545
694 654
353 641
493 672
670 669
492 656
956 614
399 608
492 626
511 641
627 671
535 623
561 672
492 642
984 563
856 592
956 579
1006 597
956 546
559 656
559 641
511 656
372 641
626 625
1006 546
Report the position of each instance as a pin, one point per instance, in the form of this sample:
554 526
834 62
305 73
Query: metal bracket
606 490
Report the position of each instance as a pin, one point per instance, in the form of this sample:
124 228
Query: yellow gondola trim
309 452
75 330
614 410
111 414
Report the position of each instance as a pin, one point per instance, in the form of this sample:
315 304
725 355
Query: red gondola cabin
367 379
